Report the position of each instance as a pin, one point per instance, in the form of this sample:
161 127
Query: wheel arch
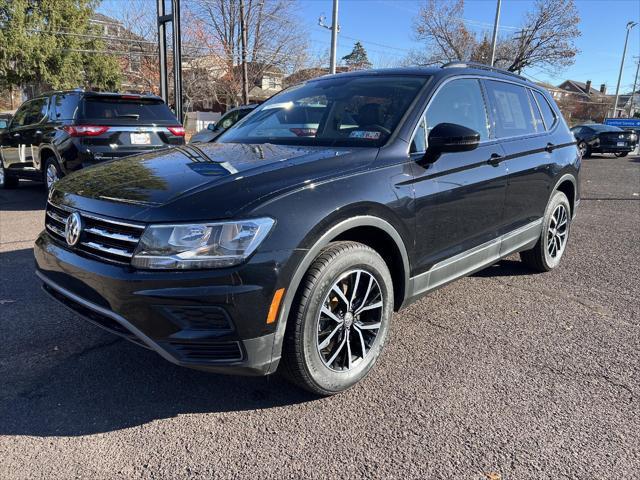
46 152
368 230
567 184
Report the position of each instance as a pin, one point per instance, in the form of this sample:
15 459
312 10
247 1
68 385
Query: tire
622 154
584 149
51 173
551 245
7 181
327 354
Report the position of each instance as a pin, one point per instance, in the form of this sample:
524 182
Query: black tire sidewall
325 378
558 198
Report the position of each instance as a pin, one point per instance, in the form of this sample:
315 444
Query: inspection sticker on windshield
366 134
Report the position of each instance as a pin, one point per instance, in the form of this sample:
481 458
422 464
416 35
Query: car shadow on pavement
27 196
61 375
505 268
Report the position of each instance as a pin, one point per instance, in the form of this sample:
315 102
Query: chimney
603 89
588 87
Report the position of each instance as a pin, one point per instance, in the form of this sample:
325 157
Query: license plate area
140 139
622 144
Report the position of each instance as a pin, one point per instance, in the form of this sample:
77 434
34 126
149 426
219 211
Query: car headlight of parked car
200 245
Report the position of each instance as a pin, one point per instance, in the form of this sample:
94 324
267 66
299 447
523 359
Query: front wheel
546 254
340 319
622 154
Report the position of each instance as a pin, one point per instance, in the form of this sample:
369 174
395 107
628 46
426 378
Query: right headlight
200 245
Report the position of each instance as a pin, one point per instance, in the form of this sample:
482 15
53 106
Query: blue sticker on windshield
366 134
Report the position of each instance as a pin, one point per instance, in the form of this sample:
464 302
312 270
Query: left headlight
200 245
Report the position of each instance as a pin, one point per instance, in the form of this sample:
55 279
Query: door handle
38 132
16 135
550 147
495 159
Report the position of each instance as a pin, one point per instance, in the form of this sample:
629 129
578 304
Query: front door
459 197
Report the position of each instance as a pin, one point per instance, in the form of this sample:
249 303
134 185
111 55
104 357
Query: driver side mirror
450 138
211 127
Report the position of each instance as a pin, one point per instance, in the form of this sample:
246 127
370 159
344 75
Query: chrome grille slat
104 248
104 238
112 235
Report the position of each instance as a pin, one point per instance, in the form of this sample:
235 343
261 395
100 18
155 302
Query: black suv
270 250
60 132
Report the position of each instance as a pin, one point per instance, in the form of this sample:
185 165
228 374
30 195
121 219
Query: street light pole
633 92
495 33
630 25
334 37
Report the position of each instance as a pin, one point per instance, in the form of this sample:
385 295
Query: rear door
131 124
529 158
460 197
22 139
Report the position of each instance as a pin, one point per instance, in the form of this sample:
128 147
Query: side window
461 102
511 109
65 106
35 112
419 142
229 119
537 116
20 116
547 112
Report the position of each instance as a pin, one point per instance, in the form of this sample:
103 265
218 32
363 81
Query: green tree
357 59
51 44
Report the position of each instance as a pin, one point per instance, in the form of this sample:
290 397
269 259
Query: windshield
347 111
605 128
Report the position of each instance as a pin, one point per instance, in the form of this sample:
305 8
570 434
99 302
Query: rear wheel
547 253
341 319
52 172
622 154
6 179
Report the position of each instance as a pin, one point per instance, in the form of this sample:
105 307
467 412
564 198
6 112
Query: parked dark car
214 130
599 138
265 251
60 132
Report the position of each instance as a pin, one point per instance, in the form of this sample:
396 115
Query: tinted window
118 110
419 142
537 116
348 110
511 109
604 128
460 102
3 123
65 106
30 113
547 112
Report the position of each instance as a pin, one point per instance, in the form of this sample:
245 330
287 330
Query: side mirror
449 138
212 127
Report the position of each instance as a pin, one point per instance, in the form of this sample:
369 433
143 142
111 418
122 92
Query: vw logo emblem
73 228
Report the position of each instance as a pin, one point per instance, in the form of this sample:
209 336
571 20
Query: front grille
110 240
206 351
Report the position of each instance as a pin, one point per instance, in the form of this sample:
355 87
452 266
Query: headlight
202 245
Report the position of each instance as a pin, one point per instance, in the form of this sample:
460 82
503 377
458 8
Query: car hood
202 181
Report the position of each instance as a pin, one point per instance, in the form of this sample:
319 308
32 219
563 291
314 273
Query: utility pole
633 92
334 36
173 18
163 19
243 40
495 33
630 25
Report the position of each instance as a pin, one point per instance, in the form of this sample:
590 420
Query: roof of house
581 88
99 17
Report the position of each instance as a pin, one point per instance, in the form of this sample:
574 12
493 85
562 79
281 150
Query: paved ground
502 374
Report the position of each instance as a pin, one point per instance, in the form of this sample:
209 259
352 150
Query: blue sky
385 29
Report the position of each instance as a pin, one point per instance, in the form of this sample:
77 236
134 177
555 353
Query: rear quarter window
64 106
548 114
512 109
123 111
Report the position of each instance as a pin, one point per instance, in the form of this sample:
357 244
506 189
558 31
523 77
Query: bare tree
275 40
546 38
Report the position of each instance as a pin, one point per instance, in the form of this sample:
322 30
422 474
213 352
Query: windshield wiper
129 115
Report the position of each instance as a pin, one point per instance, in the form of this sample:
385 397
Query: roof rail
482 66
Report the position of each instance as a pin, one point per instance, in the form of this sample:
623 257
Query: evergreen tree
50 43
357 59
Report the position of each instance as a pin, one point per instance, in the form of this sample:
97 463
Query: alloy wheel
349 320
52 175
557 232
582 148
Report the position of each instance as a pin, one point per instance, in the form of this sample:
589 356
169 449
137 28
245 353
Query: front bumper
211 320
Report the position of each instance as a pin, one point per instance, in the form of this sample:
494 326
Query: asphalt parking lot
505 374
